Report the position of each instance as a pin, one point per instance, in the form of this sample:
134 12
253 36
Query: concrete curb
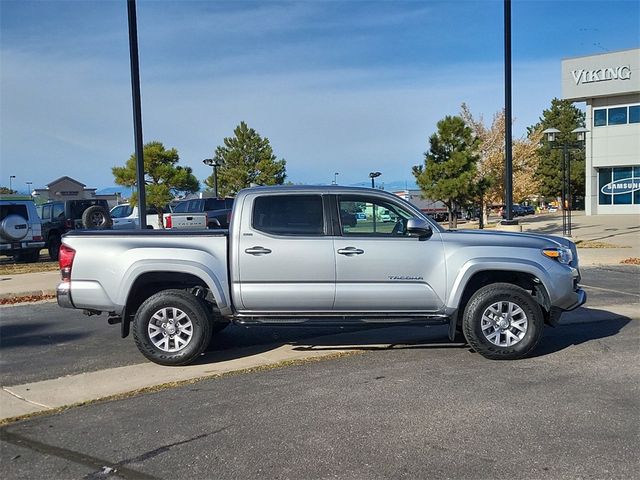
46 395
32 293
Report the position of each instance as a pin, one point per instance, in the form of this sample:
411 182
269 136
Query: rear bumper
17 247
63 295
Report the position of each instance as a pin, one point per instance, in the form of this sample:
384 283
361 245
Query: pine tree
564 116
450 166
247 159
164 178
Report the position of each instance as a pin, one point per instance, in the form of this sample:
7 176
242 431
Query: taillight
37 238
229 217
168 223
65 259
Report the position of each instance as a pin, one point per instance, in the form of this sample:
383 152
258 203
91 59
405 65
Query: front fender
477 265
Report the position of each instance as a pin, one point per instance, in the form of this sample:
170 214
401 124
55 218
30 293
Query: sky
336 86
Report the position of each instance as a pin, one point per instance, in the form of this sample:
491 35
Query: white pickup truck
320 255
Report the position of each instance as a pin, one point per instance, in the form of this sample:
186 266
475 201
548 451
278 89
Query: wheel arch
524 274
151 282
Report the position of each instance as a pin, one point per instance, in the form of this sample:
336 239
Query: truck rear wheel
172 327
503 322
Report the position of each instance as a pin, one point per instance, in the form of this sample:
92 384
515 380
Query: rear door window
13 209
46 212
289 214
58 211
214 204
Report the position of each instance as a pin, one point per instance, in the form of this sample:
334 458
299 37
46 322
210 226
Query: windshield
121 211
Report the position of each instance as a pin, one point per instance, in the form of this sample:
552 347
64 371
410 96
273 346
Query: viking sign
622 72
626 185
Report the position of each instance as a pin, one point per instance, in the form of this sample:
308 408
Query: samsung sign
626 185
583 76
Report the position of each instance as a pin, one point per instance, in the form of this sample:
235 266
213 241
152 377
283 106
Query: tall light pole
373 176
137 111
335 177
11 177
566 197
508 161
29 187
215 163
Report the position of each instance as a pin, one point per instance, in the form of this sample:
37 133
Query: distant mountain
390 186
125 192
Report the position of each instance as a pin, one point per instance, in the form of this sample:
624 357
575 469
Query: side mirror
419 227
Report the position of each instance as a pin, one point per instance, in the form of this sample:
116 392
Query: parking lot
421 409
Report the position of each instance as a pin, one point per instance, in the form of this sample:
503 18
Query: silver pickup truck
320 256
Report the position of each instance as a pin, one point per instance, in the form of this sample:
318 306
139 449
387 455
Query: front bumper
581 298
63 295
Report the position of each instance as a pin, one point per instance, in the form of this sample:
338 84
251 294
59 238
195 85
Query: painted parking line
610 290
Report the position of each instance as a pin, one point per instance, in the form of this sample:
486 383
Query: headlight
562 254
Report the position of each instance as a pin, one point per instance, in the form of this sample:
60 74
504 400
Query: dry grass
26 299
597 244
631 261
12 268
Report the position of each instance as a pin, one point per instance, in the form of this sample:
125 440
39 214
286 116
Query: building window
623 174
634 114
619 186
604 178
617 116
600 117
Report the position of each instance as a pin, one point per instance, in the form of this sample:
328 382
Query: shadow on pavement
568 335
236 342
34 335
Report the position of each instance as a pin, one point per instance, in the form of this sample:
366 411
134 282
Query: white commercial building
609 83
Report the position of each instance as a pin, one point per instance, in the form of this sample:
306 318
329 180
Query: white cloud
73 117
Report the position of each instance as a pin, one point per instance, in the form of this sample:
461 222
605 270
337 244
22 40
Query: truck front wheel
503 322
172 327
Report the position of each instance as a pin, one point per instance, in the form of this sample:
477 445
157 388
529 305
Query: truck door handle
349 251
257 251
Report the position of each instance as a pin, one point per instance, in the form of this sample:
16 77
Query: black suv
60 217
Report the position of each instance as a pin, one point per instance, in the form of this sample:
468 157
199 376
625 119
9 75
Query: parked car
529 209
20 228
125 216
288 260
64 216
516 211
218 211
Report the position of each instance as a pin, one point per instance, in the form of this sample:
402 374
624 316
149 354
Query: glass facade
616 116
619 186
600 117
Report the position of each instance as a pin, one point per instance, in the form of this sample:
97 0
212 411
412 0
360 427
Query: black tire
482 302
96 217
195 312
54 247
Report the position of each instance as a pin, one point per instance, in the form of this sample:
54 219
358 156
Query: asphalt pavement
426 410
419 412
61 342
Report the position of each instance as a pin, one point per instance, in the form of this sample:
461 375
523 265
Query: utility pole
137 112
508 160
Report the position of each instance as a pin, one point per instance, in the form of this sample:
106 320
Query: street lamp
567 204
215 163
335 177
11 177
373 176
